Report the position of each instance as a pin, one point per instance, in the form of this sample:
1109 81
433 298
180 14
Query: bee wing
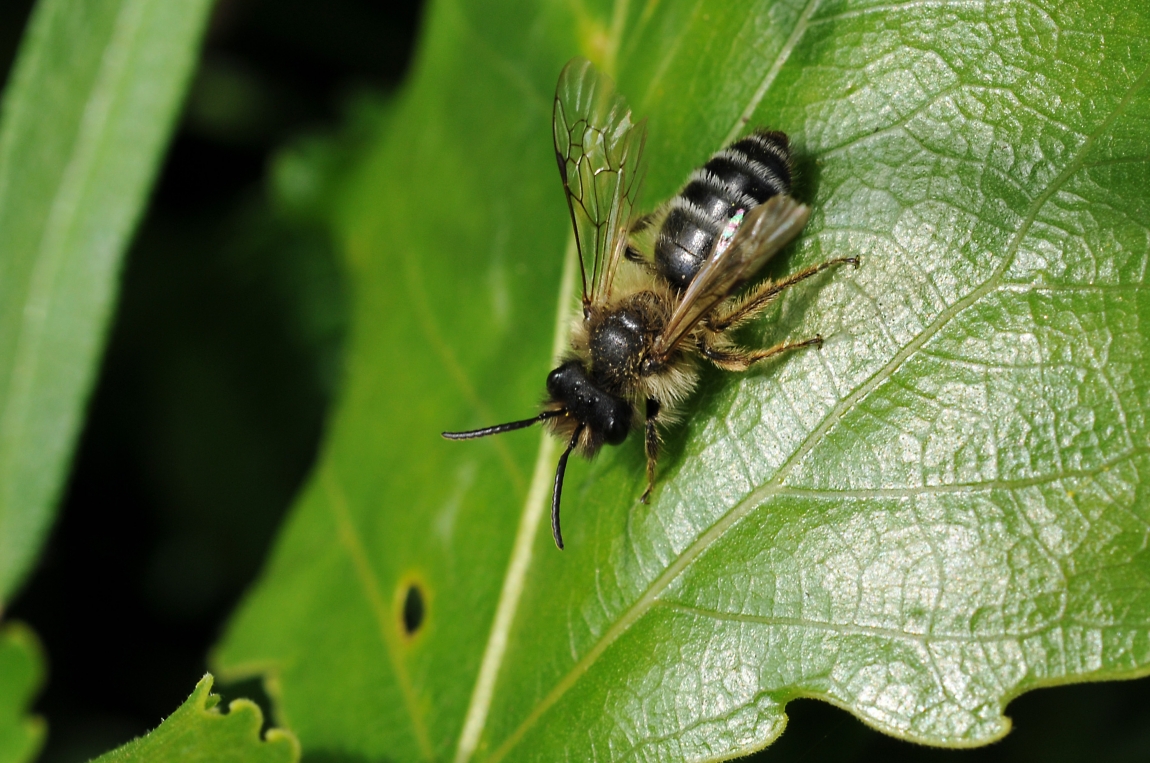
599 151
767 229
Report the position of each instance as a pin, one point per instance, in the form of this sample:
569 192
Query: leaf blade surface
890 523
21 675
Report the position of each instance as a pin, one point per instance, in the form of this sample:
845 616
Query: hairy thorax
620 337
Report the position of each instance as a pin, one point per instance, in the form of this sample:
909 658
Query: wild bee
648 320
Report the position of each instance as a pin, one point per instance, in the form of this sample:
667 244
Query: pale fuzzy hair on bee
673 383
564 427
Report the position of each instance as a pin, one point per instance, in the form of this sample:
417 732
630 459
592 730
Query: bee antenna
508 427
560 470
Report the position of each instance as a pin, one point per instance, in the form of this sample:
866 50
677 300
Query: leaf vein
855 629
52 250
429 325
515 578
773 72
965 488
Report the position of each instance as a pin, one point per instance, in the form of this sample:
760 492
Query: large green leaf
198 731
84 121
941 509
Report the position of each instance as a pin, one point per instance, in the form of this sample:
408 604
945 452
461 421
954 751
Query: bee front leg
651 445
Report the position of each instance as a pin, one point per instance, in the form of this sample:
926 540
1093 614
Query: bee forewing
768 228
599 151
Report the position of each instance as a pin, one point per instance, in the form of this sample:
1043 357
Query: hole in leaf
412 610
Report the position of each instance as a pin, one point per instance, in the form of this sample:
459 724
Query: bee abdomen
741 176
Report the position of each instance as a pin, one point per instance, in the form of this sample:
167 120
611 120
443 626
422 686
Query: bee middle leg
762 295
738 359
651 445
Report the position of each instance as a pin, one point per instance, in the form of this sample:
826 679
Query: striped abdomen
741 176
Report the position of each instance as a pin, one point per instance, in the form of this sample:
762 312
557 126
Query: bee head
606 415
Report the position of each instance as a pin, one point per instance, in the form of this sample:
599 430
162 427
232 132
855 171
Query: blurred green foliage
227 350
86 116
21 673
224 352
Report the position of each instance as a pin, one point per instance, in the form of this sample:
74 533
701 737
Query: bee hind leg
651 445
738 359
747 307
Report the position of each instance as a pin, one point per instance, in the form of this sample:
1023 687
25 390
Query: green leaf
84 122
198 731
21 674
942 508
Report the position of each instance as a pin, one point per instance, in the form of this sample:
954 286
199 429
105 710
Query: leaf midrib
511 592
523 548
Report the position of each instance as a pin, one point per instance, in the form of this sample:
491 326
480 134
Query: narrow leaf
84 122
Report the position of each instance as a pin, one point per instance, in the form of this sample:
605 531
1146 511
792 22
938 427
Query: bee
649 321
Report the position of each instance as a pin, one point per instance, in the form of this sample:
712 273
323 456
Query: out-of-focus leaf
307 176
84 121
943 508
21 673
198 731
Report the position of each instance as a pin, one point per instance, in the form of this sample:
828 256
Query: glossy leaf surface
84 121
942 508
198 731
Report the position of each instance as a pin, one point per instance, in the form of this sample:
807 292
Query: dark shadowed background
222 362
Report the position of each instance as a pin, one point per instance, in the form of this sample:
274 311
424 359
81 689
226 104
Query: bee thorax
616 343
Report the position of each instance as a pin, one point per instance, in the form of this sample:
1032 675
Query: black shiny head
606 416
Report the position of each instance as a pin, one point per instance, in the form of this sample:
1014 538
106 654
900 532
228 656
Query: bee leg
738 359
756 301
651 445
